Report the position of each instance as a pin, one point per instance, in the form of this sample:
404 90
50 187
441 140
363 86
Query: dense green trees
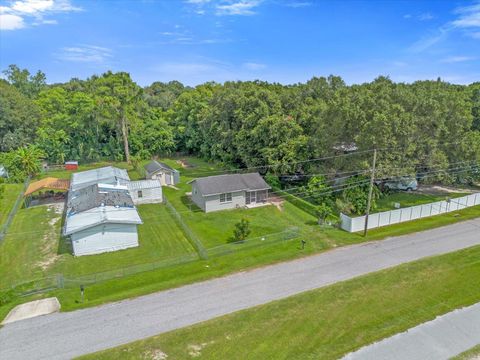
424 127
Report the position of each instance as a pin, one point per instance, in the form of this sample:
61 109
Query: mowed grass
66 174
216 228
329 322
406 199
29 252
7 201
471 354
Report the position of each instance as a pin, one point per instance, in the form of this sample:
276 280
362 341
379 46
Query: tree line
419 127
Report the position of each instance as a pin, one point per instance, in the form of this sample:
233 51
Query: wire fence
60 281
11 215
192 238
288 234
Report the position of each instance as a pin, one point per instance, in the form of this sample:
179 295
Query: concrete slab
32 309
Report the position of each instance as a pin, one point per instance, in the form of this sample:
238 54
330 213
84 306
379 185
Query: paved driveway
440 339
64 335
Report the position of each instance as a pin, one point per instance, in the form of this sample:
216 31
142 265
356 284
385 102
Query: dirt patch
185 164
195 350
155 354
50 238
442 190
277 202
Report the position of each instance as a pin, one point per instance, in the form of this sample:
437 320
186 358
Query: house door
250 197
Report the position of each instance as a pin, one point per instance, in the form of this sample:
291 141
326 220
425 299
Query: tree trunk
125 138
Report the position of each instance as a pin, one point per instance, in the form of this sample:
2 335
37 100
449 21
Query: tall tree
120 99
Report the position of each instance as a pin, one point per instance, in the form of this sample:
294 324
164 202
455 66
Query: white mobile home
160 171
101 218
231 191
145 191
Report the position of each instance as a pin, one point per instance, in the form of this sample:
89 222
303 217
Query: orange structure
49 183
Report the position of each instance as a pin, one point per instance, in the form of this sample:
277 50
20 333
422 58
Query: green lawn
66 174
12 191
329 322
216 228
34 252
406 199
472 354
155 242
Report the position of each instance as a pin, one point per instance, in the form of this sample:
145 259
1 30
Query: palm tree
28 158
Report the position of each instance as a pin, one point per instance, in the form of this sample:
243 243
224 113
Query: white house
231 191
101 218
145 191
161 171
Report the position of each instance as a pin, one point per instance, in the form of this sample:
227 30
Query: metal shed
145 191
104 175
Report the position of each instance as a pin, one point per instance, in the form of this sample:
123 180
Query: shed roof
47 183
212 185
144 184
107 174
154 166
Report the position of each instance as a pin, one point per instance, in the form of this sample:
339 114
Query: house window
227 197
140 193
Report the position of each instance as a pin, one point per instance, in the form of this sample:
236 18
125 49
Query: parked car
403 183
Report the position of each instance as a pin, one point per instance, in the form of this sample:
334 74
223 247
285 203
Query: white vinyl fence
354 224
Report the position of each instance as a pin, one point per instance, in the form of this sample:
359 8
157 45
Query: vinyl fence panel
354 224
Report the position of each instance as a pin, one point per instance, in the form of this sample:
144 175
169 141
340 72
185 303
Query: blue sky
285 41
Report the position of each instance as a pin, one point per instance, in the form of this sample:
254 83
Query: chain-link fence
288 234
11 215
194 240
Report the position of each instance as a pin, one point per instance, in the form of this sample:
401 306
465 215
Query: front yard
30 252
325 323
33 247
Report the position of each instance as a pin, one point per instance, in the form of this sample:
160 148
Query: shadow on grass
189 203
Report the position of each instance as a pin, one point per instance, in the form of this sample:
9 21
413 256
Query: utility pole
370 191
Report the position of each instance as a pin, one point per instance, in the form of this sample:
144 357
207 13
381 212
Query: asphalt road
440 339
65 335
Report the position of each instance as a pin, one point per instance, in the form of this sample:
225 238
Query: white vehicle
404 183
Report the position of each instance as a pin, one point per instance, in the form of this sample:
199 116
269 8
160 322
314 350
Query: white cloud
296 4
456 59
84 53
197 2
254 66
425 17
469 16
11 22
242 7
15 16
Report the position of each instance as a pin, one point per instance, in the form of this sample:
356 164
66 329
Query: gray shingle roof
91 197
212 185
154 166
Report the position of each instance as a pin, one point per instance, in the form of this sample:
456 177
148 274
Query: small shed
71 165
145 191
160 171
